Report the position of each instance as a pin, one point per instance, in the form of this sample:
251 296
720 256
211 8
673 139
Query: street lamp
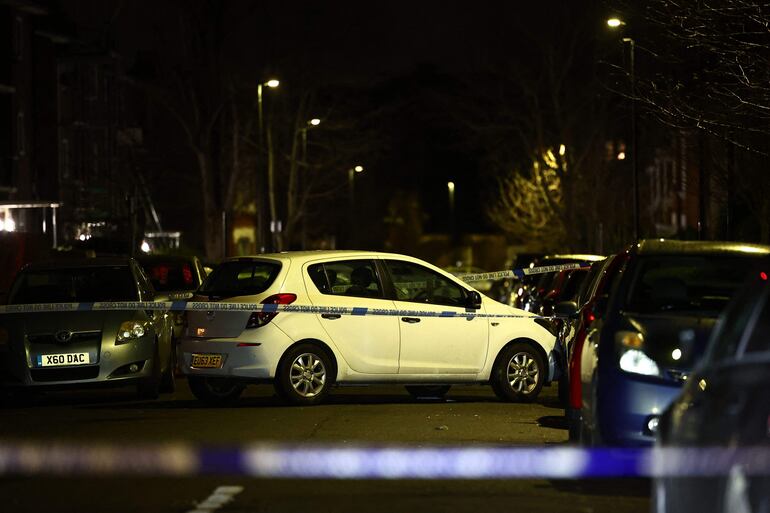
450 187
352 172
272 84
615 23
313 122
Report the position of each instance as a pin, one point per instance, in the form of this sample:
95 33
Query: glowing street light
615 23
273 83
358 169
315 121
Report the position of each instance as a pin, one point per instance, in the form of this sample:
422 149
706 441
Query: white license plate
55 360
207 361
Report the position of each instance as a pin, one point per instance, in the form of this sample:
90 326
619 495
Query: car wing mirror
565 309
473 301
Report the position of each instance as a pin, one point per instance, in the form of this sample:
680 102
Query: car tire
168 383
428 391
519 373
215 391
305 375
149 387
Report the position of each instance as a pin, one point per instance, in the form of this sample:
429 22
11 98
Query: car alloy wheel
523 373
304 375
308 375
519 373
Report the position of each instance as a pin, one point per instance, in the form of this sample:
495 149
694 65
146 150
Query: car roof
666 247
307 256
583 257
79 262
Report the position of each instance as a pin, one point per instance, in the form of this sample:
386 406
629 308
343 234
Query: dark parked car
725 403
579 315
654 328
175 277
53 349
536 286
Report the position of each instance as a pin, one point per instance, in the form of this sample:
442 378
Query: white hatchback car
305 354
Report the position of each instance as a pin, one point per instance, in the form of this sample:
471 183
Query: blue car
652 330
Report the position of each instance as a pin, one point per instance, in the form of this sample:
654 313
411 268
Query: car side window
356 278
419 284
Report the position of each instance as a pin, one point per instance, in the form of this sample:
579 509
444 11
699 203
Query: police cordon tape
383 462
309 309
520 273
253 307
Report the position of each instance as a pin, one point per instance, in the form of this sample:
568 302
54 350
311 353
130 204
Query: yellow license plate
207 361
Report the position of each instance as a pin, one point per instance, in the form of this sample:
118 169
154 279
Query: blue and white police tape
221 306
520 273
330 462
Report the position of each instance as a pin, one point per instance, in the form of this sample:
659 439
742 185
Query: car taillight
259 319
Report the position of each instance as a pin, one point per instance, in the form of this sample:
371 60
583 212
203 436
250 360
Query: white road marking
218 498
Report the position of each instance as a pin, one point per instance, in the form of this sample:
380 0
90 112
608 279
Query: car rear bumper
253 355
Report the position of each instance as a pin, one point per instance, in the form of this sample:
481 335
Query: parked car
655 325
725 403
537 286
175 277
41 350
305 354
578 316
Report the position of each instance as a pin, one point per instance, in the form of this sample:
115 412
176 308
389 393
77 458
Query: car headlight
130 330
632 358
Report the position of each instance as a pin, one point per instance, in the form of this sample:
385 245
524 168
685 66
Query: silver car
40 350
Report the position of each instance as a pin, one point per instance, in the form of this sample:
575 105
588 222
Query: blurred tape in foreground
329 462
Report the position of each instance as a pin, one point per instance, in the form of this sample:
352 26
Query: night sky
413 55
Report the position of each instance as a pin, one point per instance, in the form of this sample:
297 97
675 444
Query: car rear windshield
75 285
171 276
240 278
703 283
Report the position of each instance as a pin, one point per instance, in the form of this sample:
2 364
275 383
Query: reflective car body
536 286
658 317
174 276
725 403
359 349
81 348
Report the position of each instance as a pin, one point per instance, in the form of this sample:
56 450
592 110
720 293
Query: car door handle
411 320
330 316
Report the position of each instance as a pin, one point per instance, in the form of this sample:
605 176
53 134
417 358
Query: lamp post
313 122
272 84
450 187
352 172
615 23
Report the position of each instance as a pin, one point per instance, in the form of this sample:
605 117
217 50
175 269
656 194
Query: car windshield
702 283
171 276
75 285
744 329
240 278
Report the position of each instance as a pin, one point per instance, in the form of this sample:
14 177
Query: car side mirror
565 309
473 301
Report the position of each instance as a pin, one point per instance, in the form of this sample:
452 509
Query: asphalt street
376 415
